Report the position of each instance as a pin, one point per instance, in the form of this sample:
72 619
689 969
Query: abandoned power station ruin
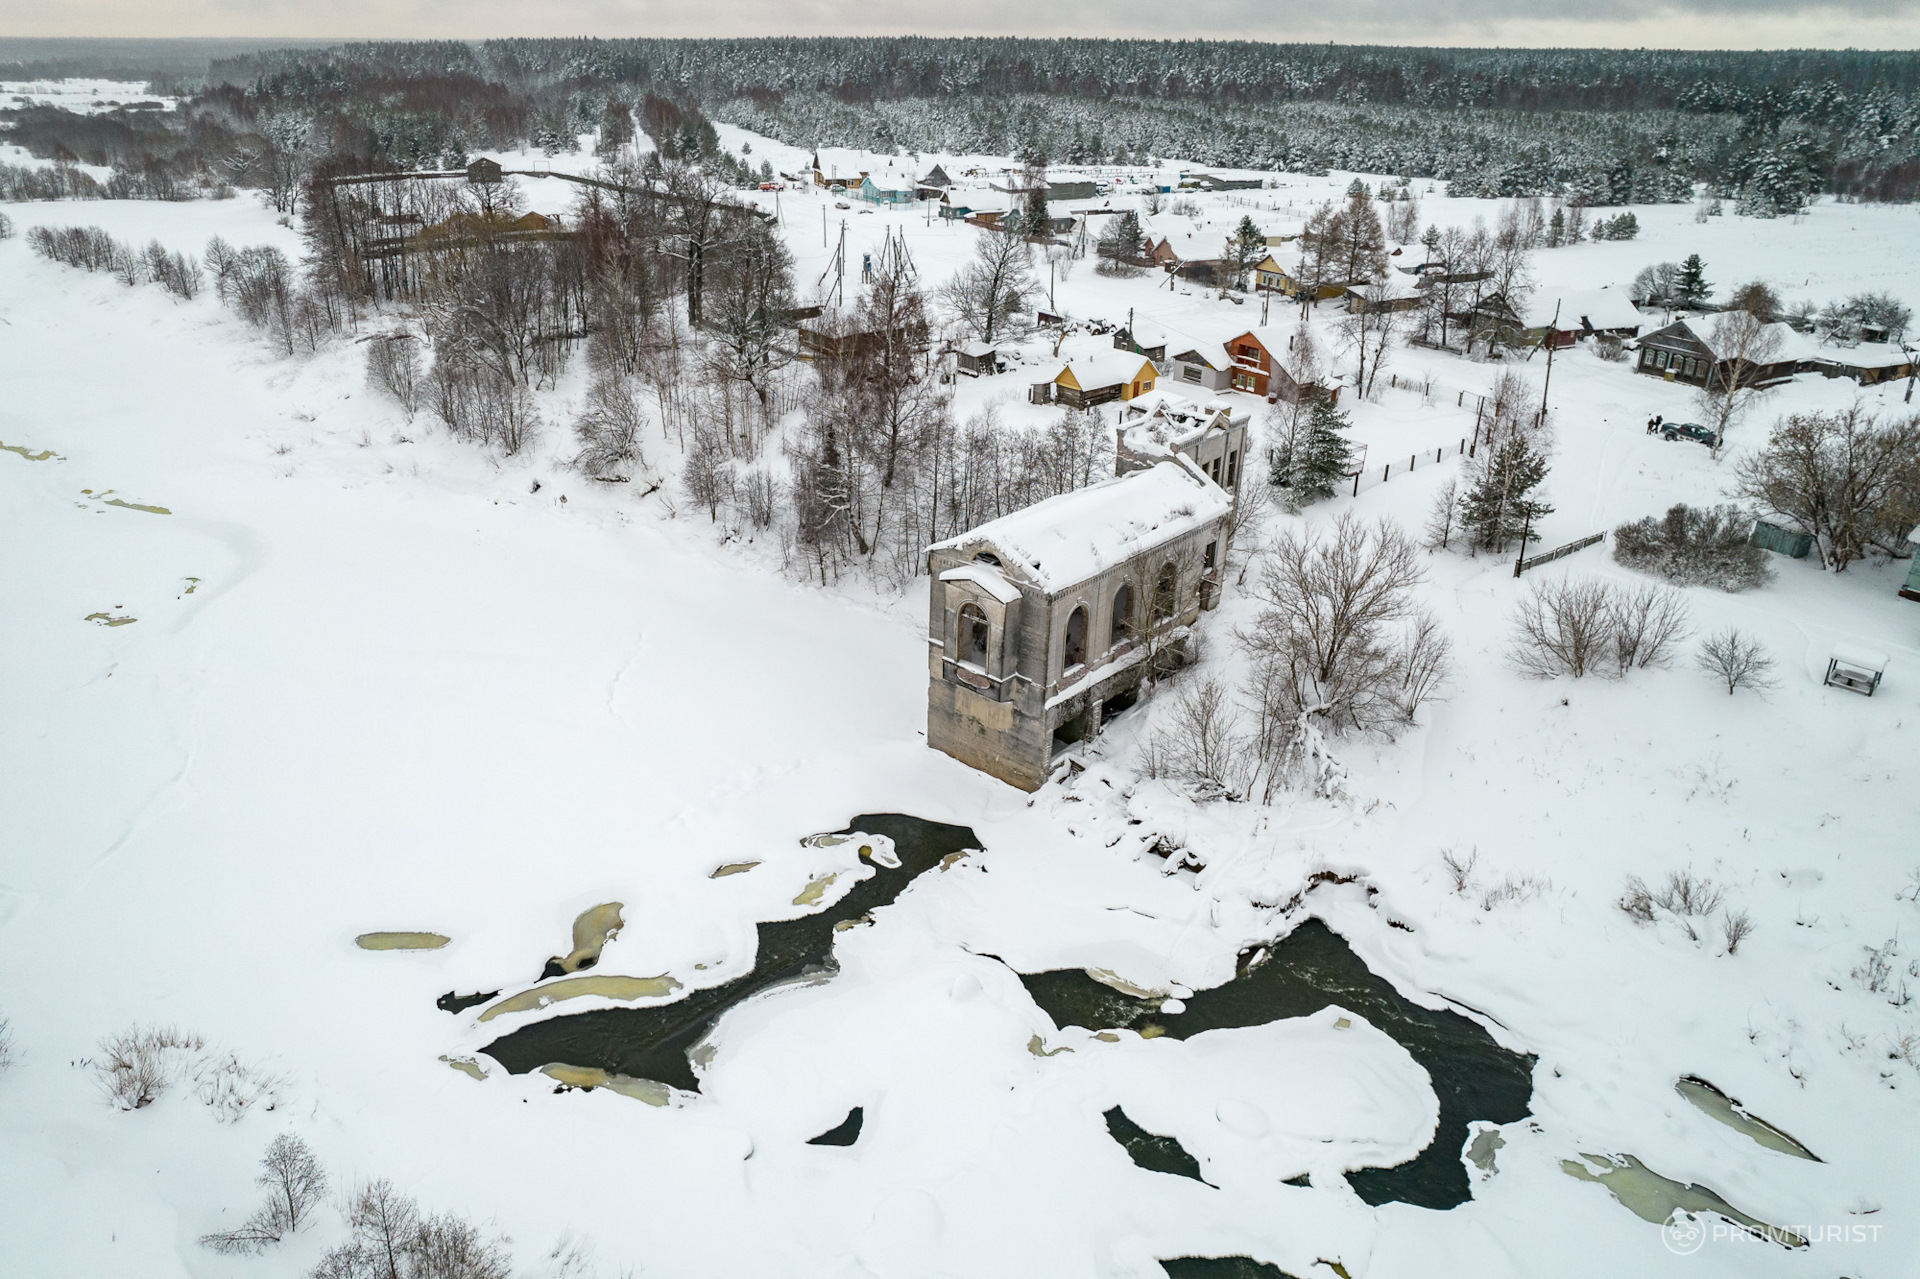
1043 623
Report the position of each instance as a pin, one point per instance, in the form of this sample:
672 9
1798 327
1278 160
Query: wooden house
886 188
976 359
1685 351
1866 363
1098 379
1206 366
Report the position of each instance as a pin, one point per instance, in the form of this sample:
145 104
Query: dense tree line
1609 126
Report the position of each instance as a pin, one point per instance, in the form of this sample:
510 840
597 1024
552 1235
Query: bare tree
609 430
1737 660
1646 622
1368 328
1347 639
393 366
1443 517
1563 627
1743 346
994 286
295 1184
1199 740
1846 478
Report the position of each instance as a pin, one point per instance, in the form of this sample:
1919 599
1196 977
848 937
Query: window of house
1122 614
1213 470
1075 653
1190 372
973 632
1233 468
1213 550
1164 592
1660 359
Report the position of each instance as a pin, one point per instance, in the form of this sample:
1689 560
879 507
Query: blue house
1912 589
886 189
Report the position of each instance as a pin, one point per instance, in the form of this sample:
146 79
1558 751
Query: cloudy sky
1734 24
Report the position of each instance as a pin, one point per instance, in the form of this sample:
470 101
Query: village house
1206 367
1259 365
1284 271
976 359
1867 363
1042 624
1161 425
1391 292
1142 339
886 188
1086 380
1684 351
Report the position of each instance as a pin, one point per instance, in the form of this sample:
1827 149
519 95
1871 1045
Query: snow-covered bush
138 1064
229 1086
393 366
6 227
6 1044
1696 546
295 1183
1690 901
609 430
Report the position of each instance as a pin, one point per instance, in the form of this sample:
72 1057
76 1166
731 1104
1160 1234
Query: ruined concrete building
1161 424
1043 623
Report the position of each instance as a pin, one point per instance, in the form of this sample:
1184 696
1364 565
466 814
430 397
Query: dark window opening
988 557
1069 732
1122 613
974 631
1233 468
1213 550
1076 649
1119 703
1164 592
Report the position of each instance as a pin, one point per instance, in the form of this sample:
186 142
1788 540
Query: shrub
1737 660
1696 546
393 366
6 1044
392 1239
141 1062
1588 627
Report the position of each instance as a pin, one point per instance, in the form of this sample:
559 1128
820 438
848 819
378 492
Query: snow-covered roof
1603 308
986 578
1870 659
1109 368
1212 354
890 182
977 349
1790 344
1864 355
1199 246
1077 535
1394 284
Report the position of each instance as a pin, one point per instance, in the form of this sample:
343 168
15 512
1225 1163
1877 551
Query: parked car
841 204
1686 431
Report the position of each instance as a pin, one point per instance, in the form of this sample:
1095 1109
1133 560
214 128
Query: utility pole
1526 531
1548 384
1913 368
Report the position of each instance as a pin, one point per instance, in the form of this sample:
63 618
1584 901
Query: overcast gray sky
1729 24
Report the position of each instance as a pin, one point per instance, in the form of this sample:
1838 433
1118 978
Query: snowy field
377 680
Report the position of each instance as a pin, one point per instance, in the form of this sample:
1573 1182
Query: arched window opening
988 557
973 636
1164 592
1076 651
1122 613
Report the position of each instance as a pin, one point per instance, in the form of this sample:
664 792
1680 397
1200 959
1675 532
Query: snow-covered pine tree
1246 250
1690 287
1320 454
1501 503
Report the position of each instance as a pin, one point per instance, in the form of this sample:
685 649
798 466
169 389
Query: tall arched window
1122 614
1076 650
973 635
1164 593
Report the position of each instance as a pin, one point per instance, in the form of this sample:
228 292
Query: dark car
1686 431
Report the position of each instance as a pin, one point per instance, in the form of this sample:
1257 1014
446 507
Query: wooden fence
1522 564
1464 447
